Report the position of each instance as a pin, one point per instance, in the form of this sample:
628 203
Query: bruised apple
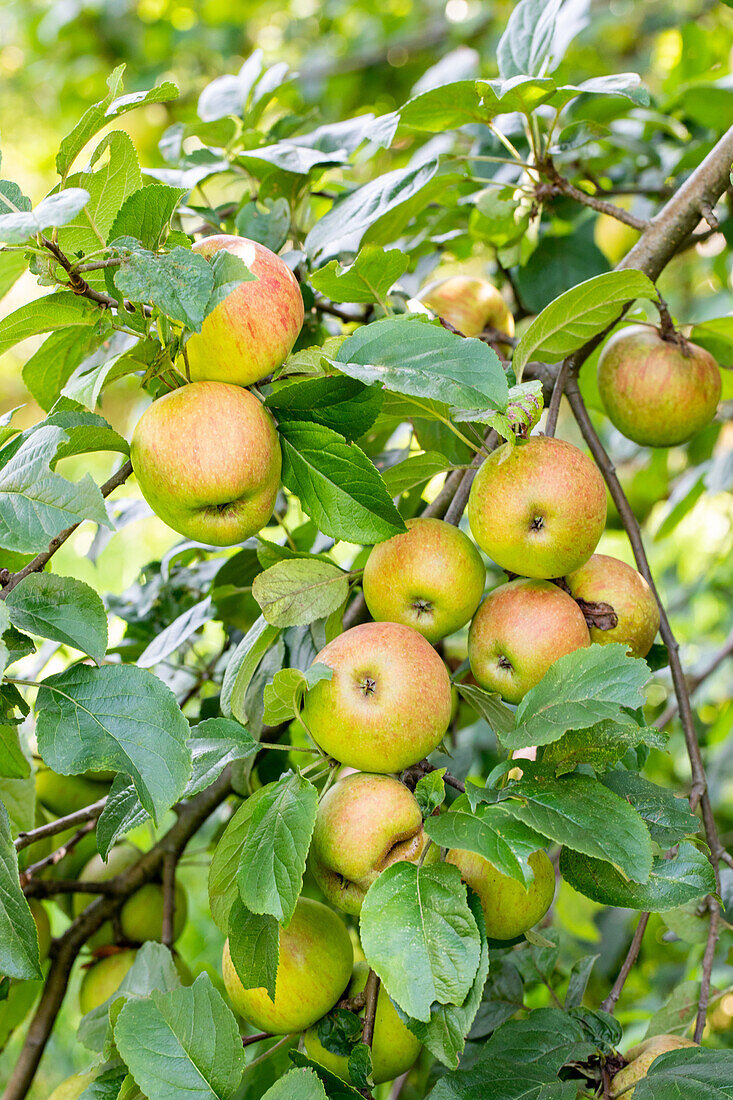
608 580
388 702
538 509
207 460
252 331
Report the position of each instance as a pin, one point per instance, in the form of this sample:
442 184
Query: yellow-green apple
252 331
538 509
65 794
640 1059
613 237
519 631
469 303
608 580
103 978
510 909
657 392
430 578
207 460
141 917
72 1087
43 927
394 1047
316 958
388 702
120 858
365 823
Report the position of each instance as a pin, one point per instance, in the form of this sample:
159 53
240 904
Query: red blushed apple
607 580
469 303
538 509
207 459
519 631
252 331
388 702
655 391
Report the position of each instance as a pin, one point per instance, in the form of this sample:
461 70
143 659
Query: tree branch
55 857
633 953
371 993
564 187
89 813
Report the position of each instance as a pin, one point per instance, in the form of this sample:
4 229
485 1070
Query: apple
615 238
641 1057
608 580
103 978
141 917
43 927
538 508
252 331
509 908
207 460
316 958
365 823
469 303
430 578
72 1087
65 794
519 631
656 392
388 702
394 1047
120 858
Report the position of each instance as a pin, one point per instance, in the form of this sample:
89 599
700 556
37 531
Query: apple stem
371 992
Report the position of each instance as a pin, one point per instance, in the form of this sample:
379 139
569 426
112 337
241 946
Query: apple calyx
368 686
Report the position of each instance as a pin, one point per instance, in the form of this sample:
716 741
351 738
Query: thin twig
557 392
60 825
249 1040
707 968
55 857
564 187
633 953
371 994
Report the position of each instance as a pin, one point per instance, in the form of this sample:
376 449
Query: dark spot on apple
537 523
504 662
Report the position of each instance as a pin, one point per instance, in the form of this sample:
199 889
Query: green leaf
368 279
421 914
113 360
501 1079
298 1084
467 102
547 1035
229 272
182 1042
36 504
299 591
54 210
254 946
242 667
578 315
494 833
532 42
668 817
600 745
146 213
580 689
582 814
102 113
672 882
273 854
13 761
214 743
628 85
267 222
337 1089
60 608
284 696
223 889
49 314
179 283
176 633
413 471
122 812
343 404
49 369
695 1074
338 486
345 225
119 717
18 938
490 707
414 356
445 1034
430 791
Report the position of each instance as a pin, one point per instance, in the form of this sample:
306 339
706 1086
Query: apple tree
423 731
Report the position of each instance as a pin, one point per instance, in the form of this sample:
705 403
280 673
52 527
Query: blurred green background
354 56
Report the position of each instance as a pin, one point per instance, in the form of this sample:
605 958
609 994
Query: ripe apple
470 303
252 331
207 459
509 908
141 917
655 392
394 1047
388 702
72 1087
519 631
65 794
430 578
641 1057
103 978
365 824
538 509
608 580
120 858
316 958
43 927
